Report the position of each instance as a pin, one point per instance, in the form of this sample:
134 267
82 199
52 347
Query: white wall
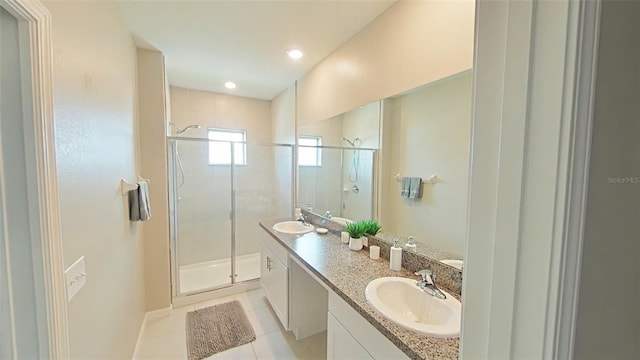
153 158
329 129
429 132
283 131
283 117
364 123
410 44
95 117
321 186
205 197
608 324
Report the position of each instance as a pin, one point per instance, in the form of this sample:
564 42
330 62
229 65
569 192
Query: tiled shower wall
204 205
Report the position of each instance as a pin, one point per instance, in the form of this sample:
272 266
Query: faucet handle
426 274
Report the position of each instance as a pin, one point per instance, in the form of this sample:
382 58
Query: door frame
35 33
534 75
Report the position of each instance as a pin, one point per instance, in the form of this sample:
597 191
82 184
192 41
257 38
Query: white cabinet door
341 345
362 332
274 279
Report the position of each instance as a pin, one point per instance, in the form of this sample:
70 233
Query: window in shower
219 149
310 153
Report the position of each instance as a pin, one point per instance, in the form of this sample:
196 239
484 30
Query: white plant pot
355 244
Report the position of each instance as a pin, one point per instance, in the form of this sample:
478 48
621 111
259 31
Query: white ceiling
206 43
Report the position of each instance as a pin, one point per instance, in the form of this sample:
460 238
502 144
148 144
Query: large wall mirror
336 164
425 133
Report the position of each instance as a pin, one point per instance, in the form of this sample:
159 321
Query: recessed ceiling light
295 54
230 85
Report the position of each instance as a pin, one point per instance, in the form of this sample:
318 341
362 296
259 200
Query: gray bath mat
217 328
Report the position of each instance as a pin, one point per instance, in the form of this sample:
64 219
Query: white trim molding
36 32
528 143
150 315
563 313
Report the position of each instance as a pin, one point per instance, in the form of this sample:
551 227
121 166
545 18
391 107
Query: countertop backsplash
447 277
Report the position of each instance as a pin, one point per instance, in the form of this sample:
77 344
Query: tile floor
165 337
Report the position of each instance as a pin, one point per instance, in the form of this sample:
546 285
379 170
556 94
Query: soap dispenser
410 245
395 257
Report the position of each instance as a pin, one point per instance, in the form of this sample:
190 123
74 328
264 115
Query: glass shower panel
262 190
202 217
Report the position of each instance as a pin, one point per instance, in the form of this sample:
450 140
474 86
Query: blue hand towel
406 185
139 208
415 188
143 200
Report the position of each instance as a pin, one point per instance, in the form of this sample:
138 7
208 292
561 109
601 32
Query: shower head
188 128
351 142
181 130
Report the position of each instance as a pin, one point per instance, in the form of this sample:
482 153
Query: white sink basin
403 302
293 227
455 263
340 220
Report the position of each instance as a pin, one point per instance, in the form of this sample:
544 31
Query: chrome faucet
428 284
303 220
327 214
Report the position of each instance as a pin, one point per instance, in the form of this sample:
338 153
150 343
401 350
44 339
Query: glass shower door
219 191
201 217
262 190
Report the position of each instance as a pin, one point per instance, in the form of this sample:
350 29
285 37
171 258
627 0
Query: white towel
139 207
415 188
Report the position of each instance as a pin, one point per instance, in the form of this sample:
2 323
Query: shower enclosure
341 181
219 191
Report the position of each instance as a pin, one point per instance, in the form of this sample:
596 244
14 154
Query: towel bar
126 186
433 179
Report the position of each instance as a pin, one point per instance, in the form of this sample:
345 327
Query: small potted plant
355 230
371 227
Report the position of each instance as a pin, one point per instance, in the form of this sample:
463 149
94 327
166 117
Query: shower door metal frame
173 218
174 215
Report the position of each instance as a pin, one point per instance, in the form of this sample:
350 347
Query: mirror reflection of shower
179 131
355 159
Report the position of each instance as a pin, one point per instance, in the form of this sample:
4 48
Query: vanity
315 283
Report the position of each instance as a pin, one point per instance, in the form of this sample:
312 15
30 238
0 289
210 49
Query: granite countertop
347 273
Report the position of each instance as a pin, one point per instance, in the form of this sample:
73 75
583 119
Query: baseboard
149 315
154 314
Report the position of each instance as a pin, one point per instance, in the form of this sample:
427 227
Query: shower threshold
215 273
